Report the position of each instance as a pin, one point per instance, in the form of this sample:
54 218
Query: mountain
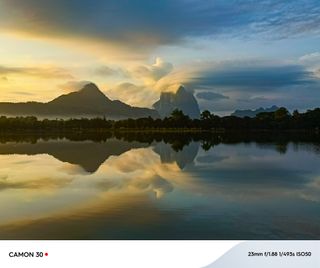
253 113
87 102
182 100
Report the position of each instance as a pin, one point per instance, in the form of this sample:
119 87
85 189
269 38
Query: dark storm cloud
211 158
211 96
160 22
254 77
250 85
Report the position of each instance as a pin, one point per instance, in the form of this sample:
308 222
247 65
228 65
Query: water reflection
89 155
160 187
182 157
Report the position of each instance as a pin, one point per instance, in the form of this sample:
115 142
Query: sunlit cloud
38 184
106 71
73 169
142 89
22 93
135 95
153 73
40 72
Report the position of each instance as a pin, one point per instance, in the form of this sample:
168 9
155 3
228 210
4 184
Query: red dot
46 254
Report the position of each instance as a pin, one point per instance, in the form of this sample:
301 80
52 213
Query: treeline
32 123
278 120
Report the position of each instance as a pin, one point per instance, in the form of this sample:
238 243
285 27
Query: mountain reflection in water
160 186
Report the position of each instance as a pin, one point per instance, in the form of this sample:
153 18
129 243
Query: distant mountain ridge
182 100
87 102
253 113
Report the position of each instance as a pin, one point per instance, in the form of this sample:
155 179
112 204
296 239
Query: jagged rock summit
87 102
181 99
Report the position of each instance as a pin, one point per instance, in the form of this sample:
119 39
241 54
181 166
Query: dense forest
278 120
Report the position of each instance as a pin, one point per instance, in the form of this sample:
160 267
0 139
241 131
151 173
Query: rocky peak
181 99
91 90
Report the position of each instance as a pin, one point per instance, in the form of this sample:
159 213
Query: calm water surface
118 189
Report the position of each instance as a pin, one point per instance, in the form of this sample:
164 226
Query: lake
160 186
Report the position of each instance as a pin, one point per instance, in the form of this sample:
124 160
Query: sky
236 54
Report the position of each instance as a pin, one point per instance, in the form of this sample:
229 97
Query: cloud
152 73
71 169
211 158
252 76
182 75
23 93
241 84
312 62
41 72
4 78
149 24
143 90
312 57
72 86
246 75
259 82
106 71
39 184
135 95
211 96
